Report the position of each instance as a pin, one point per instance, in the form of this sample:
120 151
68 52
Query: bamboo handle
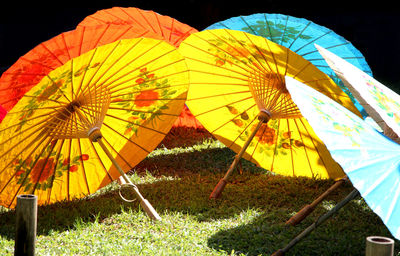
218 189
147 207
306 210
263 117
300 216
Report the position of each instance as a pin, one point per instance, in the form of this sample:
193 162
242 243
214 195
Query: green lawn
177 179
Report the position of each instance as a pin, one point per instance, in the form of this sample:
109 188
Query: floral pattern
331 113
147 100
382 100
269 139
41 170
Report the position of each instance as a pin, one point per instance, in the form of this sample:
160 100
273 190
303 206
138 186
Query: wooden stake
263 118
379 246
26 222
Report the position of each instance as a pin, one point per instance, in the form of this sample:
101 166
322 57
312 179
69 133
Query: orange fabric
173 31
49 55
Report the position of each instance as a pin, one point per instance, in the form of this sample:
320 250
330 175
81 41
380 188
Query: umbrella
172 30
168 28
370 159
380 102
29 69
237 79
299 35
125 96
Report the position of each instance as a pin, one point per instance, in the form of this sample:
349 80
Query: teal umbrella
300 35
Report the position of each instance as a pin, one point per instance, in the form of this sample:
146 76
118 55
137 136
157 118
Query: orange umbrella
171 30
49 55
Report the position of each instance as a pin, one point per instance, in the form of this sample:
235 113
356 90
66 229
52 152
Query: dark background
372 27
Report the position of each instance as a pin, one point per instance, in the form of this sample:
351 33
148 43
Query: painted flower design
41 171
265 135
146 98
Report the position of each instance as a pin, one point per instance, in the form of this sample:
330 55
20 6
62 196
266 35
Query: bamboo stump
379 246
26 222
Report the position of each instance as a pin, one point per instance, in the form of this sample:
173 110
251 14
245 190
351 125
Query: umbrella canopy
370 160
380 102
237 78
168 28
31 68
128 93
299 35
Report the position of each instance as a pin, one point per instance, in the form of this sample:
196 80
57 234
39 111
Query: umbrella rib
147 21
251 67
51 53
144 90
90 83
28 173
83 166
15 158
211 110
315 147
248 25
101 162
141 111
223 50
113 63
123 159
222 125
159 24
284 31
304 147
328 47
139 125
268 26
244 46
49 153
69 145
54 173
129 16
298 35
276 144
312 41
395 200
240 134
114 83
217 95
291 148
218 74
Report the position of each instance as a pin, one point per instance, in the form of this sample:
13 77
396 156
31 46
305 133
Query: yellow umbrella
125 96
237 91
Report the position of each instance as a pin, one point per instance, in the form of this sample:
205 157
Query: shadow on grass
181 187
183 182
342 234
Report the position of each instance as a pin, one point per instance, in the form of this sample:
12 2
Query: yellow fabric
234 75
133 90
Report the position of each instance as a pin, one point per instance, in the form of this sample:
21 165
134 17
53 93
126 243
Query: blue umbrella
370 160
300 35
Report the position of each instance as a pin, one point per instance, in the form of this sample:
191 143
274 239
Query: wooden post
26 221
379 246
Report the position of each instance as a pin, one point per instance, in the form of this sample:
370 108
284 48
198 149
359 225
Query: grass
177 179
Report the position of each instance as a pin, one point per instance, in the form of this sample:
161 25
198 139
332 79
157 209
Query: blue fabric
370 159
300 35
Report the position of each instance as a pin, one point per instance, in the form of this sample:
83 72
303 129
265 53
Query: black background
372 27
